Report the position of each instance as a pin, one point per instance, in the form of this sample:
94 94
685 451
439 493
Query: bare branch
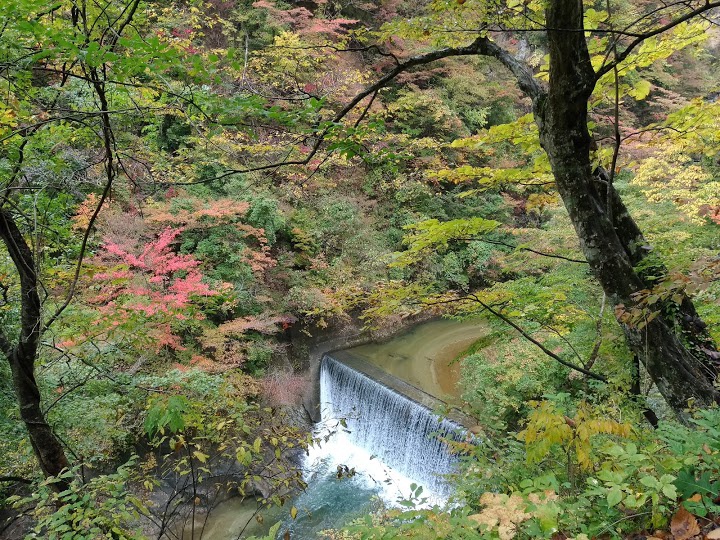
523 248
108 140
598 330
15 479
482 45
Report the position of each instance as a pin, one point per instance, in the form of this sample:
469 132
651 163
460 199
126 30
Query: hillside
197 195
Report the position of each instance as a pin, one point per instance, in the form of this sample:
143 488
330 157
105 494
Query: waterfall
397 431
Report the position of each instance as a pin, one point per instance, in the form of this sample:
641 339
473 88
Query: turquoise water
329 502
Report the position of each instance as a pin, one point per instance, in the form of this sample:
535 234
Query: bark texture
22 354
611 241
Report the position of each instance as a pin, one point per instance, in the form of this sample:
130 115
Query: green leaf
435 236
650 481
202 458
669 491
641 90
614 496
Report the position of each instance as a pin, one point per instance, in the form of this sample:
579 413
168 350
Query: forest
199 198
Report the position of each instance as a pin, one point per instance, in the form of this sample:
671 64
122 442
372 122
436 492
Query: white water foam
389 441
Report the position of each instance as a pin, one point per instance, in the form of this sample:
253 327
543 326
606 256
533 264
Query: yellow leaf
202 458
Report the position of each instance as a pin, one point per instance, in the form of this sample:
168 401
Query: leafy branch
535 342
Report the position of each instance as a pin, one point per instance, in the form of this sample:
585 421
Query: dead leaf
684 525
695 498
713 535
503 512
506 512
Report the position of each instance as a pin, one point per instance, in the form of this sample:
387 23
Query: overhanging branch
524 248
621 57
535 342
15 479
482 46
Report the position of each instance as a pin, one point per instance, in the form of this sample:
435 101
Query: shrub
284 388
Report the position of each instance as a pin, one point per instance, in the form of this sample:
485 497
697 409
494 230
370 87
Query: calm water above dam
424 356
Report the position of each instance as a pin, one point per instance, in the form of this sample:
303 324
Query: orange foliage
201 213
81 219
263 325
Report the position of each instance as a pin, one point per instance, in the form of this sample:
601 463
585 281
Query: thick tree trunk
48 450
22 355
636 247
614 245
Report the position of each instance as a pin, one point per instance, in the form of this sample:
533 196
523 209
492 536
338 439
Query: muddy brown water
426 355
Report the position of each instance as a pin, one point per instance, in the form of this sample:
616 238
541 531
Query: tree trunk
22 355
612 246
686 317
48 450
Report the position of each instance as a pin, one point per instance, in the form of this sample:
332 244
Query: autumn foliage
157 279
